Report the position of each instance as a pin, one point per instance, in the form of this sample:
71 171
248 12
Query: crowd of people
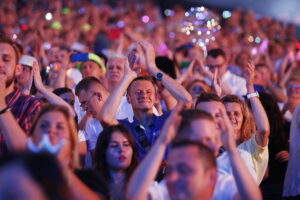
102 101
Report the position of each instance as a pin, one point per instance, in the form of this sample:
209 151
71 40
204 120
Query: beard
10 80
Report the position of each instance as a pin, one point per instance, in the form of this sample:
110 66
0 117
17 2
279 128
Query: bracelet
254 94
4 110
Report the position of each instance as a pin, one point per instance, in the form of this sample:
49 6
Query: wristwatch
254 94
159 76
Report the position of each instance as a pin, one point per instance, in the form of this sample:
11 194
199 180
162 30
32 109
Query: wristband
254 94
4 110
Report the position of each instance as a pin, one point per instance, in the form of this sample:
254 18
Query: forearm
56 100
110 107
61 79
177 90
247 187
261 119
145 174
14 136
280 97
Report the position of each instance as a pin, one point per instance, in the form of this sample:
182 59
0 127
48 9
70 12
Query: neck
9 89
117 176
143 116
111 86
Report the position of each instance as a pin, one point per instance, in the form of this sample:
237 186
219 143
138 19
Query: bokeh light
200 25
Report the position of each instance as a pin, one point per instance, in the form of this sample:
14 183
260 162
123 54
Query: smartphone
79 57
131 59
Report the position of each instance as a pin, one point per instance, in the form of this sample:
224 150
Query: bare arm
260 116
14 136
110 107
50 96
177 90
144 175
246 185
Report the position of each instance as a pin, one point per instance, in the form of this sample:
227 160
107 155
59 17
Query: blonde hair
74 159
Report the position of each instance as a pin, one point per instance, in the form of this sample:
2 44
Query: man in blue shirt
142 95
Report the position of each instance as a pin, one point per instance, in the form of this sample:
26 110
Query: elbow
264 136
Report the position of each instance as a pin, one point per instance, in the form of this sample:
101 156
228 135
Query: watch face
159 76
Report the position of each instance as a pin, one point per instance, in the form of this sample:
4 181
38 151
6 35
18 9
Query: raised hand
27 87
2 90
150 56
249 76
128 72
226 130
216 87
171 125
37 76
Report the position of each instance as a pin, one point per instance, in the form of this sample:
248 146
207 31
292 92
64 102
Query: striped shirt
24 108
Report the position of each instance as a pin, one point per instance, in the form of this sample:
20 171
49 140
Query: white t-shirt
225 189
224 166
236 83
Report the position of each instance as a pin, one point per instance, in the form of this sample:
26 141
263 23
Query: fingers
216 72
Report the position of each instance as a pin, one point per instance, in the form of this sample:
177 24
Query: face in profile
186 176
92 100
119 152
142 95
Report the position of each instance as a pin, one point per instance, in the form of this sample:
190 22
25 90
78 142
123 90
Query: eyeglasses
84 104
216 66
293 87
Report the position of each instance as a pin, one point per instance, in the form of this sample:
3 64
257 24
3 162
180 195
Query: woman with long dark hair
116 157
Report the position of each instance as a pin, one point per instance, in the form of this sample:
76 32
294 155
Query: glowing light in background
200 25
169 12
48 16
145 19
226 14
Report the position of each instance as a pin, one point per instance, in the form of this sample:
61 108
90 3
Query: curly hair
248 124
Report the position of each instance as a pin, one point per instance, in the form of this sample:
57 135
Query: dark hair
142 78
16 47
248 124
207 97
60 91
86 83
205 154
188 116
44 169
166 65
102 145
216 52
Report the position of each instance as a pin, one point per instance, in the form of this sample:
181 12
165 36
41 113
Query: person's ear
99 96
128 98
19 69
